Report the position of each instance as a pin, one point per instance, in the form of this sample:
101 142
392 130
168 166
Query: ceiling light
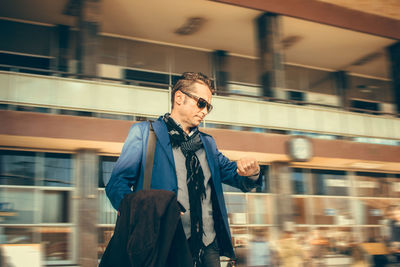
191 26
368 58
290 41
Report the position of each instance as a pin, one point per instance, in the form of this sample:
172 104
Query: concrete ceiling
226 27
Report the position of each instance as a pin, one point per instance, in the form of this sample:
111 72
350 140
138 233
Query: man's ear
179 97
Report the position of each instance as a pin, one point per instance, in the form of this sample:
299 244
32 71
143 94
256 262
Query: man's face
191 115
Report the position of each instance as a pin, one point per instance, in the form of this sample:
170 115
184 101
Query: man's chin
196 123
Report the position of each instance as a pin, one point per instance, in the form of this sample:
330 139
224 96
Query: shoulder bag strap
151 145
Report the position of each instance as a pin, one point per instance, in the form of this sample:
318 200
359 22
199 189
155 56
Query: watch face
300 148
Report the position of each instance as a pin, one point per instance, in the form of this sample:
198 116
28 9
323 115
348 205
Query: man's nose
204 111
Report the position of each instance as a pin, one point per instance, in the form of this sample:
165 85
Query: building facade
70 92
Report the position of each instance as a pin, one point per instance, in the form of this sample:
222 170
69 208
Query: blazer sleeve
126 171
228 172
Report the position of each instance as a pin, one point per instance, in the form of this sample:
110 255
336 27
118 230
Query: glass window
326 182
370 89
240 237
148 56
369 184
243 70
312 80
111 50
32 109
17 235
25 61
106 213
294 77
114 116
55 207
17 168
332 211
321 82
56 241
17 206
259 209
37 204
265 186
191 60
369 211
75 112
228 188
58 170
296 96
393 183
299 210
371 234
299 181
236 205
106 166
104 236
378 141
15 35
147 78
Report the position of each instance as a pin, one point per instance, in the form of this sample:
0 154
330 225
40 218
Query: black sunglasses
201 102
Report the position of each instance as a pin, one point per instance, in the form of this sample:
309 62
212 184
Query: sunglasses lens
201 103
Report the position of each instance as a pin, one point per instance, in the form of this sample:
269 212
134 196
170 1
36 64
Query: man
187 162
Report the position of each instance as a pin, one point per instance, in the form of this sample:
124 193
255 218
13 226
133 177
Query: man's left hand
247 167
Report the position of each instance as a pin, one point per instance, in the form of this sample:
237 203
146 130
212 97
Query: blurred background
310 88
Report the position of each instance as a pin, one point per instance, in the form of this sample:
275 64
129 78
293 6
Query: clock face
300 148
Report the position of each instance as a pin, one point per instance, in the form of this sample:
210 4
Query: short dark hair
187 80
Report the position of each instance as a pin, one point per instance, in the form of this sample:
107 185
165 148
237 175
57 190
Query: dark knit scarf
195 182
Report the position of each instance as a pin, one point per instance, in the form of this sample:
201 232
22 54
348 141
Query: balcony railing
117 96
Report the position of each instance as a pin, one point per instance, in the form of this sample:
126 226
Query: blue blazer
128 173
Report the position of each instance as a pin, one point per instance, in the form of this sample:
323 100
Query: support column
219 59
282 187
394 55
271 57
88 14
63 47
342 86
86 184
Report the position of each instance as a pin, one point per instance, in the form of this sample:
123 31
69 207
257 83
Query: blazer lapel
161 131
